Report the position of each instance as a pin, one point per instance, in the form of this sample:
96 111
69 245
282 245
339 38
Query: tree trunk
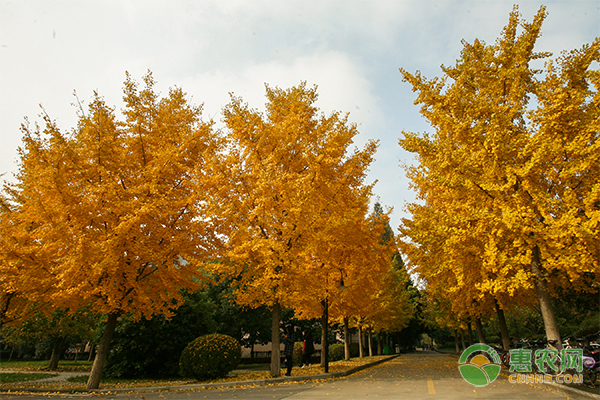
503 326
57 348
462 339
347 339
370 338
324 336
470 331
96 373
92 349
361 353
550 325
479 327
516 325
379 345
456 341
275 351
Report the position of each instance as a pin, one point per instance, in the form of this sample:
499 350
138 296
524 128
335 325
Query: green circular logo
479 364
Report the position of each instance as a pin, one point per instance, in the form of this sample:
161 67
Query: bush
152 348
209 357
336 352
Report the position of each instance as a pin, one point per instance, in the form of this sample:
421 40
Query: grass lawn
22 377
63 365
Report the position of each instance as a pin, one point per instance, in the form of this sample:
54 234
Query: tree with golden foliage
284 174
350 251
110 215
514 183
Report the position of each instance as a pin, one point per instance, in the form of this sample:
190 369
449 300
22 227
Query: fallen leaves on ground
240 374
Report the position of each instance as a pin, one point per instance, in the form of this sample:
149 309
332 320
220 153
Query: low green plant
32 365
8 377
336 352
209 357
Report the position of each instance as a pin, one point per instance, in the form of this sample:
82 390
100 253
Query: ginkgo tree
375 295
349 265
110 215
454 254
338 253
282 179
527 172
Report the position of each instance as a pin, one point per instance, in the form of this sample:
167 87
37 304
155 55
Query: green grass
68 365
81 379
22 377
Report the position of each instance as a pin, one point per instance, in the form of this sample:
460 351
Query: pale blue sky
351 49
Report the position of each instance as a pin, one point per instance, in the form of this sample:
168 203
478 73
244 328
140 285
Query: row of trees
119 215
144 348
508 183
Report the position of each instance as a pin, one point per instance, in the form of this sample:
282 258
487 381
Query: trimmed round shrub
209 357
336 352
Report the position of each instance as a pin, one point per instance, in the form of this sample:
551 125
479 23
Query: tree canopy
290 179
111 215
508 181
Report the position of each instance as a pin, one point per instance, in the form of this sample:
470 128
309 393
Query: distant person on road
308 349
288 350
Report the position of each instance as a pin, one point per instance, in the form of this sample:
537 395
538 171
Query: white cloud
342 85
351 49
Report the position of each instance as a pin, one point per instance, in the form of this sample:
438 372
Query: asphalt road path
422 375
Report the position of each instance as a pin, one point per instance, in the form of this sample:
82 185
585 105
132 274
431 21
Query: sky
351 50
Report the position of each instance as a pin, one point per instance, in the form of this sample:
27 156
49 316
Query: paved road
411 376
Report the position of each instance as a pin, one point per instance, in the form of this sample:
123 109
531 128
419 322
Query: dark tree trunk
479 327
470 331
503 326
275 351
57 350
456 341
100 359
324 336
92 350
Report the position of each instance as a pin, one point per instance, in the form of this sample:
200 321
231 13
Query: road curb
200 386
569 390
